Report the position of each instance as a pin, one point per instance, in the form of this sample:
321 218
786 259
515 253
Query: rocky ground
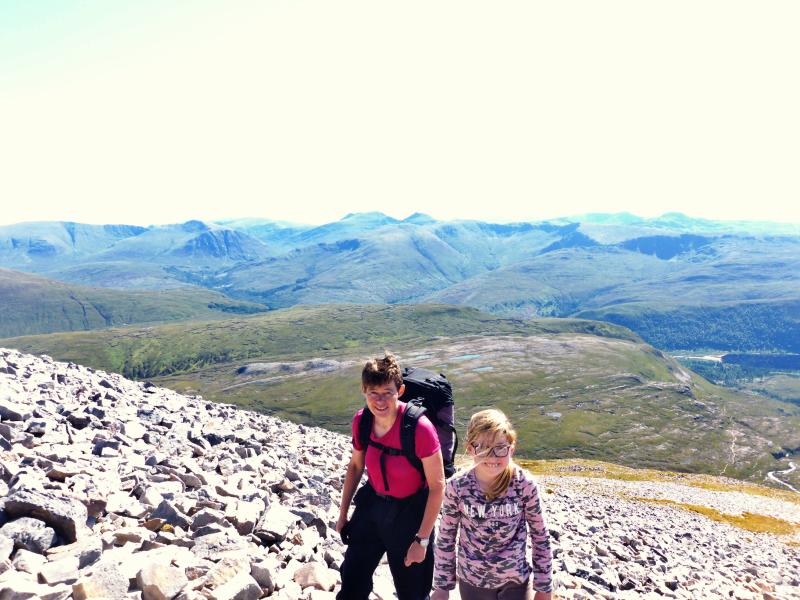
117 489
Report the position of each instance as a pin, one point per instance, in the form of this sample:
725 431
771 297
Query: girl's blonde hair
487 424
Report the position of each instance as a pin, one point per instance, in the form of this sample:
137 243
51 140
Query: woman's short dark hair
380 371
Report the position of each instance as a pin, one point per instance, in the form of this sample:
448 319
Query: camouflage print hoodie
492 535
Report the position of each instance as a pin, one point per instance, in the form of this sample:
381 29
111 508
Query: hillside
134 491
680 283
33 304
575 388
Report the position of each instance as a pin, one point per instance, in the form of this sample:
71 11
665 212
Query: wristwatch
422 541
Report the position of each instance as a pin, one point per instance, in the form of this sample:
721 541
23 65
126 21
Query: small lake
482 369
466 357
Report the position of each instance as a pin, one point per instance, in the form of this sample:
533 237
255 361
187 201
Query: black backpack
429 394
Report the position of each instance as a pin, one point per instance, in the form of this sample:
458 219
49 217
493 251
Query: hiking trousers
510 591
384 525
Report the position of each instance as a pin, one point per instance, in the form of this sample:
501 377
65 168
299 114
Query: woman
396 510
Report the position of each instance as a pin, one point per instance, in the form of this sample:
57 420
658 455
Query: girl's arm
354 472
434 476
444 556
542 558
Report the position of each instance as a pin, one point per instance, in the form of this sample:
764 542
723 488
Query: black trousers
383 525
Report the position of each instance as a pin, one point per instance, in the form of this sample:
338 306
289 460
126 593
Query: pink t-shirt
404 479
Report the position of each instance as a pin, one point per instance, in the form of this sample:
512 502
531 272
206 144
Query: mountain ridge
618 265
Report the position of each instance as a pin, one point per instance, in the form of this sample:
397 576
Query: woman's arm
434 476
354 472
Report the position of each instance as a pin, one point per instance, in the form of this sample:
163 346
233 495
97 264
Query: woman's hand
540 596
341 523
440 595
415 554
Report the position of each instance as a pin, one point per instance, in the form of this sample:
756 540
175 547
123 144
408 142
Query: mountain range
681 283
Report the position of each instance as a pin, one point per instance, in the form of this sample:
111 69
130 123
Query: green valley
575 388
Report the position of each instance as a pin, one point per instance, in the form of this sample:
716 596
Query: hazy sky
155 111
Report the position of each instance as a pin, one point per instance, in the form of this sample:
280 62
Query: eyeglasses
500 450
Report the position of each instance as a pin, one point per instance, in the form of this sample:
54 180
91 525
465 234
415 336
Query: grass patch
748 521
604 470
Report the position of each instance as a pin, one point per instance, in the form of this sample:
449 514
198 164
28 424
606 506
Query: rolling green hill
33 304
289 334
574 388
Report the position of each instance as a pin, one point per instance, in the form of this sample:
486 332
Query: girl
491 504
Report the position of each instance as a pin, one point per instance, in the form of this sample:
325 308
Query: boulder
225 570
274 524
160 581
241 587
261 571
206 516
19 586
64 570
67 516
27 561
30 534
168 511
87 551
106 581
316 575
6 546
13 411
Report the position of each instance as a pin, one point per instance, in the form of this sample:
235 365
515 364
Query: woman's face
382 400
485 450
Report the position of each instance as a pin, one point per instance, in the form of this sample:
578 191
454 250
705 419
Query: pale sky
159 111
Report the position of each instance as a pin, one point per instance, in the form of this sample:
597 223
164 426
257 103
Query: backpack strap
365 428
408 430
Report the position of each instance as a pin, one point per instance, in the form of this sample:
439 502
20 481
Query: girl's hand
440 595
415 554
540 596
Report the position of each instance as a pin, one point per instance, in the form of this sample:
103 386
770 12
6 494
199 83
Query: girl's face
491 454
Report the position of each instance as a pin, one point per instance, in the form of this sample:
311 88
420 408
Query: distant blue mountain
654 275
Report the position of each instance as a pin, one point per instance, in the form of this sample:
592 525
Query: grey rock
64 514
6 546
21 587
105 581
29 534
261 571
215 546
241 587
168 511
275 523
13 411
27 561
210 529
87 551
205 517
316 575
160 582
64 570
